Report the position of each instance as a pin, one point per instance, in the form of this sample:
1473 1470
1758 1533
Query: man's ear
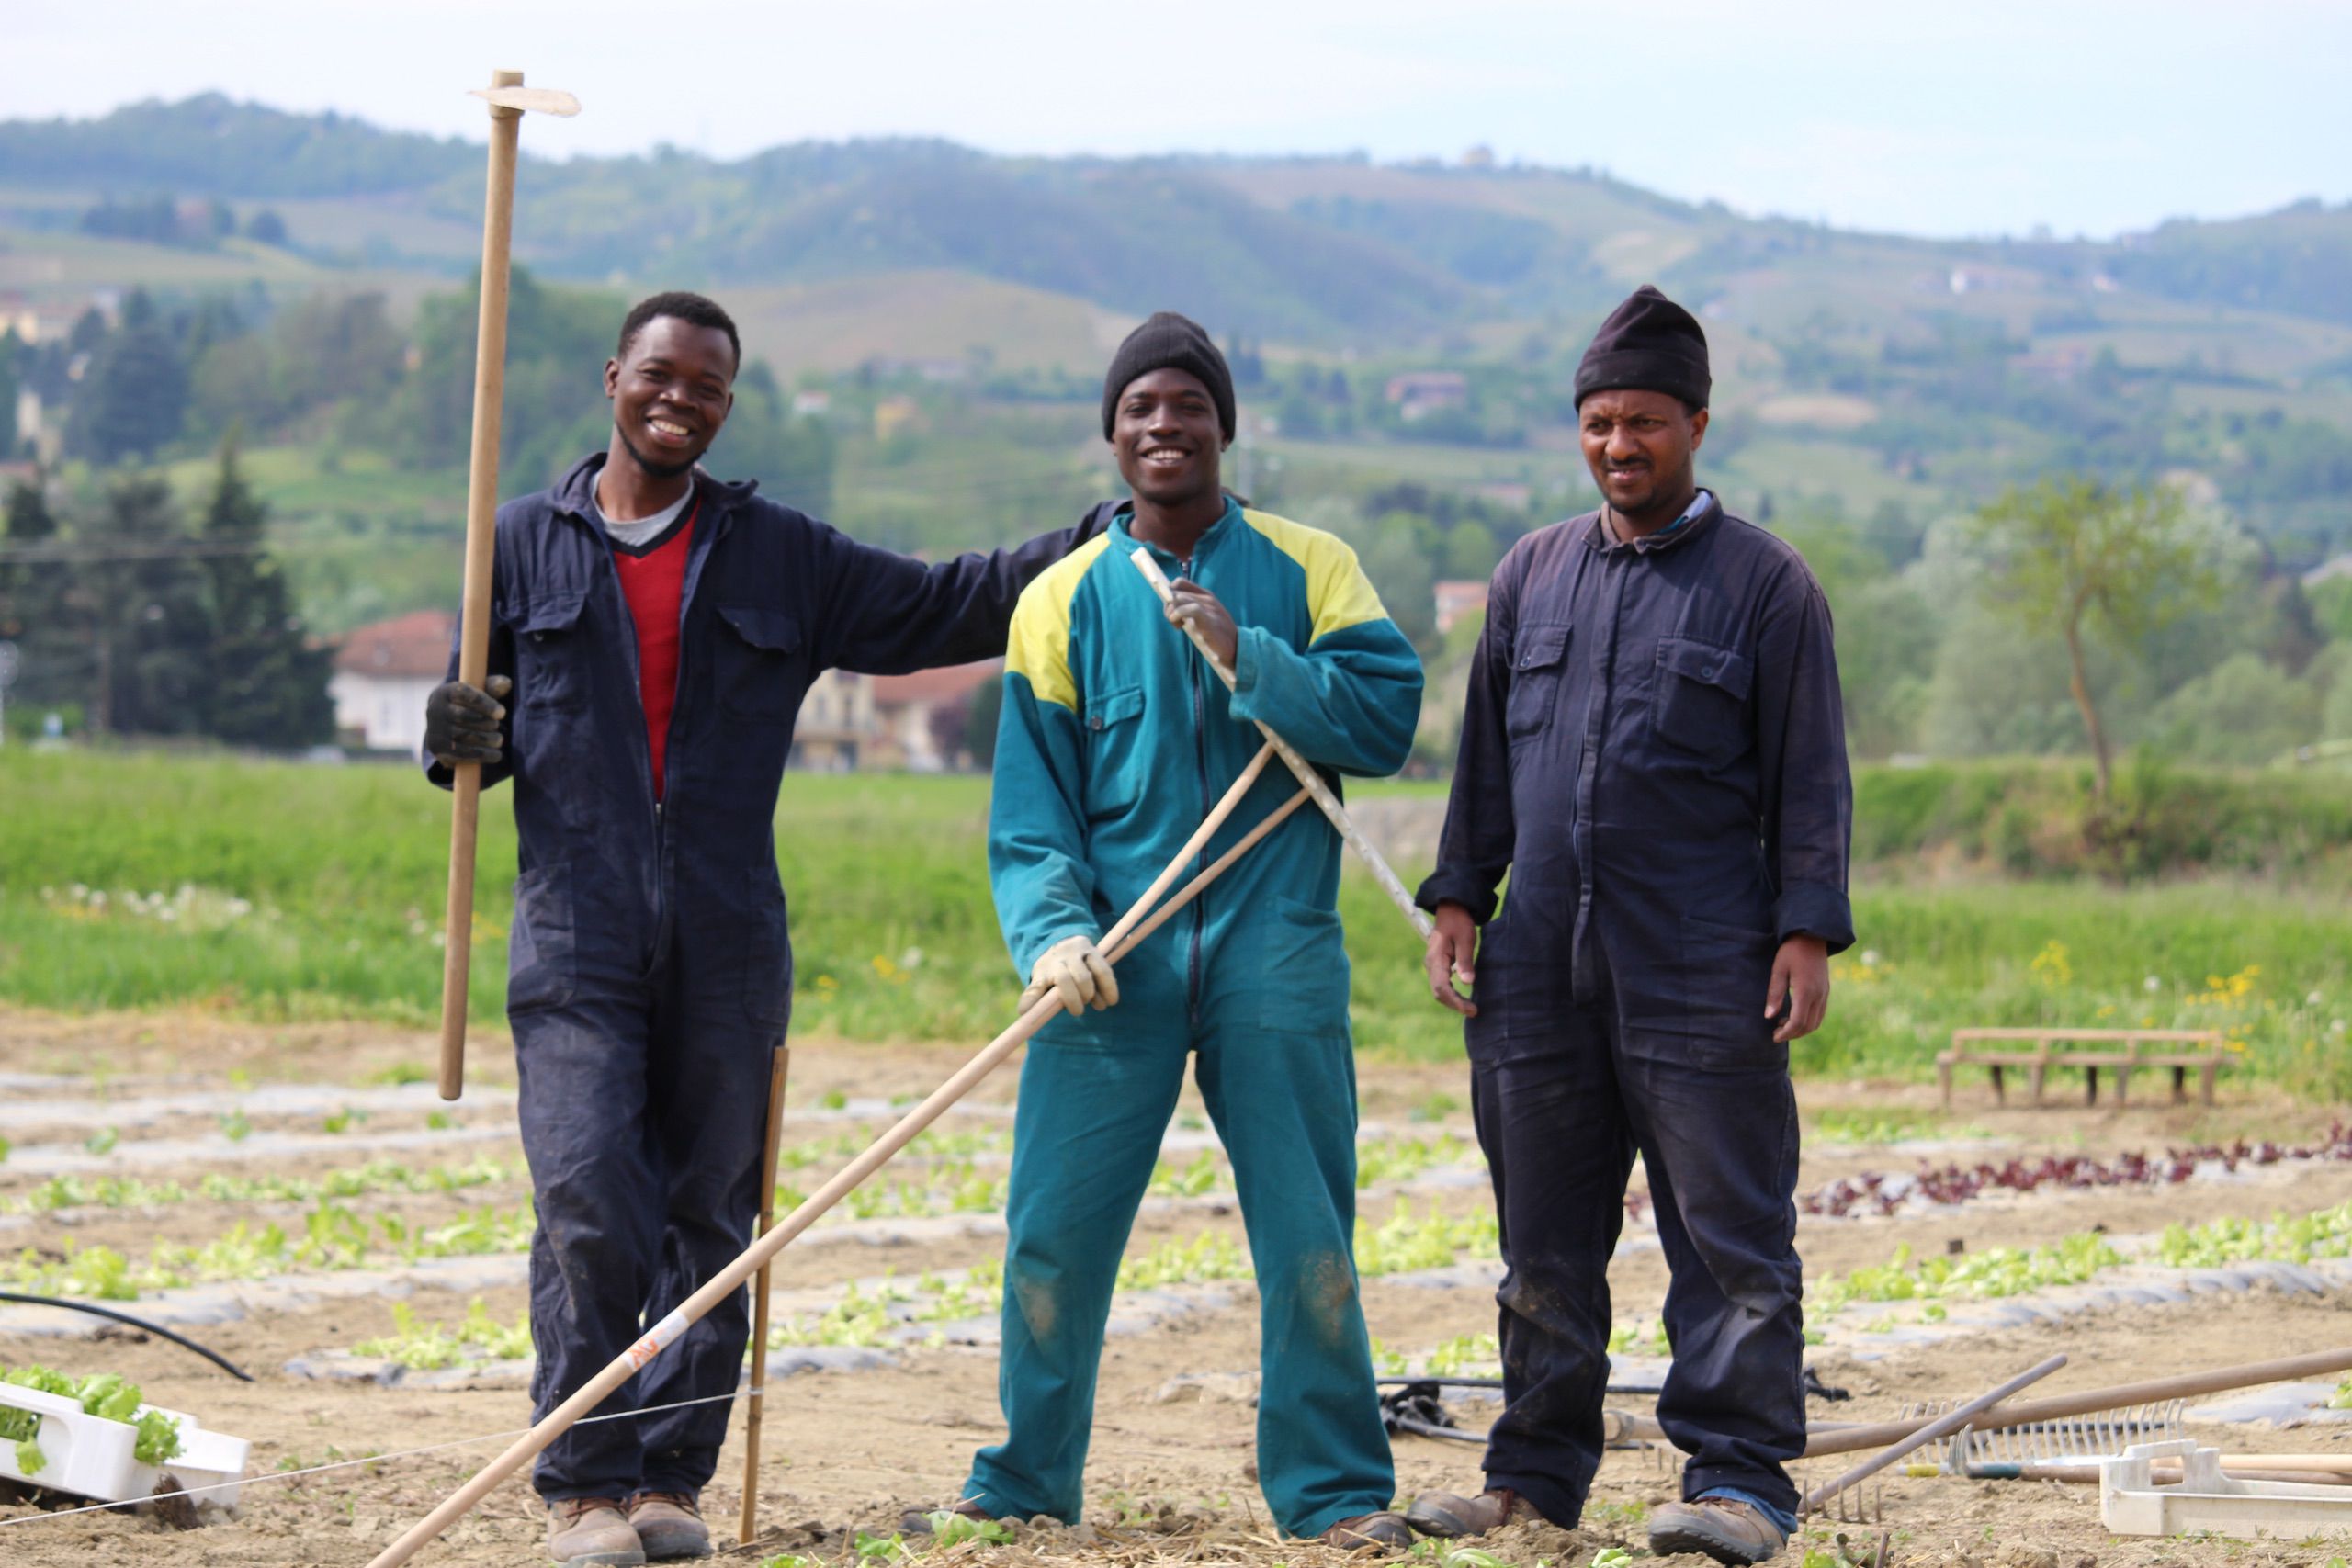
612 377
1698 429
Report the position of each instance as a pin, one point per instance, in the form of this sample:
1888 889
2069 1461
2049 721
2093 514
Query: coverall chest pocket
1701 698
1539 658
756 665
1114 760
551 655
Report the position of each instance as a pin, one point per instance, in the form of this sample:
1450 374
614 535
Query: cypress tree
268 685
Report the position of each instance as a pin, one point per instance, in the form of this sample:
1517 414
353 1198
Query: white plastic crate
92 1457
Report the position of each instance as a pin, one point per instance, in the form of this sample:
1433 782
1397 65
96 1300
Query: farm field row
847 1448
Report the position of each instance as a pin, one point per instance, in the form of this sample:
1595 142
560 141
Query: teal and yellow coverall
1115 741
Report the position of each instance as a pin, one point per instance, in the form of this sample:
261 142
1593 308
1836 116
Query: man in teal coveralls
1115 741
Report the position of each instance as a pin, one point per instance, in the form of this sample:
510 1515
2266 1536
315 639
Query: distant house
920 718
383 674
837 723
895 416
1415 394
1459 599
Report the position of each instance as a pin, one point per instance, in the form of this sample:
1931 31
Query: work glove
461 722
1075 968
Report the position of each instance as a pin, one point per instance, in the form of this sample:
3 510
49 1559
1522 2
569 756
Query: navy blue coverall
1654 750
649 969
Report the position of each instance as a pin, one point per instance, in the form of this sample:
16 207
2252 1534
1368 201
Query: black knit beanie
1168 341
1649 343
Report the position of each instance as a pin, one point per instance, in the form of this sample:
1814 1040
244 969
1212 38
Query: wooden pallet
2122 1051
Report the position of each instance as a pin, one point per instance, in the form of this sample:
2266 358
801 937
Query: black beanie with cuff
1168 341
1651 343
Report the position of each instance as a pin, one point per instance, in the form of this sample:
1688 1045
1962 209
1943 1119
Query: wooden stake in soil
508 99
1133 927
755 1403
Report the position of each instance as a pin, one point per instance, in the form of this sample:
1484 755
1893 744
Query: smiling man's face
671 393
1167 439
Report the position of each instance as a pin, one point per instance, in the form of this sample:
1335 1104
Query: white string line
371 1459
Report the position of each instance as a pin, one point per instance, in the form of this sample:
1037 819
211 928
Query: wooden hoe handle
1133 927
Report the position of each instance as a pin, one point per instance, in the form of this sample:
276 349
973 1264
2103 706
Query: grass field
145 880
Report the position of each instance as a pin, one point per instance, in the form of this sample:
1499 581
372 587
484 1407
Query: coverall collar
575 494
1122 523
1706 510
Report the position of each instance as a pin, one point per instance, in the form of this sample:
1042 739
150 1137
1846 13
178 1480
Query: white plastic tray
92 1457
2130 1502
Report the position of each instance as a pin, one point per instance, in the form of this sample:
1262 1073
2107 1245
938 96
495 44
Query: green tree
133 397
553 412
269 684
148 612
791 458
2071 558
36 608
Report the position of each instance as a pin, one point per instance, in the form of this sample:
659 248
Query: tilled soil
1172 1476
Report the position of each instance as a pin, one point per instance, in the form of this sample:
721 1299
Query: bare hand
1451 958
1801 979
1197 609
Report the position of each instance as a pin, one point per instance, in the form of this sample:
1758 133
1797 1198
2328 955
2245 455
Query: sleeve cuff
1248 659
1807 909
1444 887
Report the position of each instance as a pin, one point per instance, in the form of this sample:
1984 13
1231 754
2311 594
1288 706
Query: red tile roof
406 647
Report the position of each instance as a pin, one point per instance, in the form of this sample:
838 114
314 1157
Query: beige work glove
1075 968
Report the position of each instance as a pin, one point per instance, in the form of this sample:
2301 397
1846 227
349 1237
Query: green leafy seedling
102 1142
834 1099
30 1460
1614 1557
949 1528
236 1126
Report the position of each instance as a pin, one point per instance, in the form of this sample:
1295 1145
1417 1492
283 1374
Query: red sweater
653 584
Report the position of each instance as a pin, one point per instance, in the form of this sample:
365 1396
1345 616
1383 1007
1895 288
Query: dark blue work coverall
1654 750
649 966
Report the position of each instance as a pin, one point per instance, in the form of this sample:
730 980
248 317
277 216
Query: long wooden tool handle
755 1401
2060 1407
482 524
1131 930
1941 1426
1305 769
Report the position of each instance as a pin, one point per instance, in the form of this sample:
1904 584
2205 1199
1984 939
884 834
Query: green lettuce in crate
107 1395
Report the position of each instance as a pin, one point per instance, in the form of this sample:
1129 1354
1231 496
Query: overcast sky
1971 116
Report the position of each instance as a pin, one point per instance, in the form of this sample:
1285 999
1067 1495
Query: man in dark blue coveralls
1654 752
655 630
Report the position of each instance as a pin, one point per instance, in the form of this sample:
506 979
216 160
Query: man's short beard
659 471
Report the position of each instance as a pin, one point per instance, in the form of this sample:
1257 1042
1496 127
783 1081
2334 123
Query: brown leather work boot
1726 1528
1384 1531
592 1532
670 1524
1449 1516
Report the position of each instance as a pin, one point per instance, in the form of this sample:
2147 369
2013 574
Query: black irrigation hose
181 1340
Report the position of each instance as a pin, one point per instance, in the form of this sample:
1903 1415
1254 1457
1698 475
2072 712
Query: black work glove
461 723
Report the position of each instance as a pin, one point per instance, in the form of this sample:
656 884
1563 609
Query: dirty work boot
917 1521
668 1525
1385 1530
1449 1516
592 1532
1726 1528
